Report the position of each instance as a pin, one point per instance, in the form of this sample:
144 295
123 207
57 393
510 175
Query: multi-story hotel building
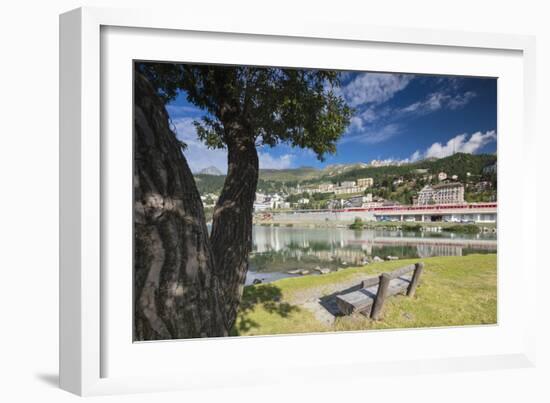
326 187
340 190
365 182
444 193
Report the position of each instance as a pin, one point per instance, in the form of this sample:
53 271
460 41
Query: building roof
448 185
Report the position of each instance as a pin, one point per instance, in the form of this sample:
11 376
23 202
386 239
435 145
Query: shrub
464 229
357 224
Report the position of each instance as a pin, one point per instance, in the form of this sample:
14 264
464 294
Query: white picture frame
93 348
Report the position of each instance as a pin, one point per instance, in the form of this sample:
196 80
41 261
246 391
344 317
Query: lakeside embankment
384 225
453 291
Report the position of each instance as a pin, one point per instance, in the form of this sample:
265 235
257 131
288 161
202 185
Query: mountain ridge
211 170
459 164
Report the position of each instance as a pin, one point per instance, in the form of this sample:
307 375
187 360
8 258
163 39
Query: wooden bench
369 299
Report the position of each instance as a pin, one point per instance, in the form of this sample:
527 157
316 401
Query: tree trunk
231 237
176 290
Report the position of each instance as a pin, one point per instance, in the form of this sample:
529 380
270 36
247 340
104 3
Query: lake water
277 250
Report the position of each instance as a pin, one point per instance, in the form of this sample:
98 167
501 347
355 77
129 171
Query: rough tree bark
231 237
176 290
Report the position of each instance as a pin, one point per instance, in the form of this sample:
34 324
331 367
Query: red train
436 207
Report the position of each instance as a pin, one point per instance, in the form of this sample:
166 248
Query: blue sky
398 117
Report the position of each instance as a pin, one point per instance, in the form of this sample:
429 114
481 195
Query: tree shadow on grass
266 296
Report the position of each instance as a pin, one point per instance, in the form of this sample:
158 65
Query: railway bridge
463 212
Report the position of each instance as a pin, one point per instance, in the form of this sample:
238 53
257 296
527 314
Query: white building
425 196
260 197
442 176
209 200
276 201
445 193
326 187
365 182
347 184
340 190
359 201
268 202
397 181
349 187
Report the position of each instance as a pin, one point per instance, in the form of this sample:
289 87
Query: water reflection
277 250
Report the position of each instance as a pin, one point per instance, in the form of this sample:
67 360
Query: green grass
453 291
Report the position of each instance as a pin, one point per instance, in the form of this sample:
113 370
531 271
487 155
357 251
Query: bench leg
380 296
415 279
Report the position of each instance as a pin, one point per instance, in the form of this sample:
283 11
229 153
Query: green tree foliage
243 108
276 105
293 198
457 164
357 223
209 183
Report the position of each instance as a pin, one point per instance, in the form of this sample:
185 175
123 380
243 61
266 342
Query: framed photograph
276 200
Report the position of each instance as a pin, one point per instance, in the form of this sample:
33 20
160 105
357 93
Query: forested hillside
459 164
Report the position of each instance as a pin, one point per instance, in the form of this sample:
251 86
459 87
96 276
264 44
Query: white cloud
185 130
198 156
461 99
371 136
374 88
355 123
433 102
458 144
373 114
439 100
267 161
377 123
415 156
390 161
174 110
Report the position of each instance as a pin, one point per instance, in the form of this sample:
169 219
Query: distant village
440 188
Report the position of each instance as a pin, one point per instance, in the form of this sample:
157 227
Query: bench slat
371 281
402 271
362 300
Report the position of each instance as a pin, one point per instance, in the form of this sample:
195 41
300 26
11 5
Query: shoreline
463 285
392 226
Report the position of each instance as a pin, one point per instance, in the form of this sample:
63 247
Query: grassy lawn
453 290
